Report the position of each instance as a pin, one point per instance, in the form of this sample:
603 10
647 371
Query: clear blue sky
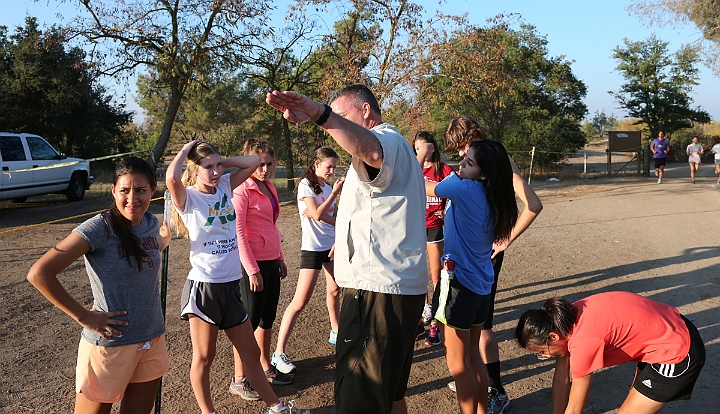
585 32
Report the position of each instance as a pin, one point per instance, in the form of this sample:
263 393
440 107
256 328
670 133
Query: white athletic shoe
283 363
427 314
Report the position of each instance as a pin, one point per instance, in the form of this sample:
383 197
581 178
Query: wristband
325 115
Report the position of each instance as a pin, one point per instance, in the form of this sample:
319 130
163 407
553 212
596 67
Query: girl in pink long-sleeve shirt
257 206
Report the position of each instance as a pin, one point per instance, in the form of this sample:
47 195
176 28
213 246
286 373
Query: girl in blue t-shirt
482 210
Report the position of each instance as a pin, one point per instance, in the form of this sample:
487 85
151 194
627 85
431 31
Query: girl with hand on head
610 329
482 211
122 353
434 170
263 264
211 298
318 209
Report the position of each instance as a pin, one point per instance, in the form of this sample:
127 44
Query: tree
505 79
180 40
657 85
281 67
599 125
50 90
379 43
705 14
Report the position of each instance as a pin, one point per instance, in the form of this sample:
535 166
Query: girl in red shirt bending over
610 329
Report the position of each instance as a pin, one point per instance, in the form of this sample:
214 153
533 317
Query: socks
493 370
278 408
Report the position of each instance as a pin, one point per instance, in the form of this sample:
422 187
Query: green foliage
505 79
657 85
49 89
182 42
705 14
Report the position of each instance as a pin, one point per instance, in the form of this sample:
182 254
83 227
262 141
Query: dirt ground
594 235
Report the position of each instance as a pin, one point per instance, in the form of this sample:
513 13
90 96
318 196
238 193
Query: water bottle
168 206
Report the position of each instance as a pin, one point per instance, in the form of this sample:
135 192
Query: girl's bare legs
85 406
459 345
636 403
246 349
204 342
434 252
307 278
479 368
333 296
262 340
693 170
139 397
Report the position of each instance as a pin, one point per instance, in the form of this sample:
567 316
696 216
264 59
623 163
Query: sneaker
452 387
659 180
656 173
433 338
333 337
427 314
276 377
283 363
288 409
243 389
420 331
497 403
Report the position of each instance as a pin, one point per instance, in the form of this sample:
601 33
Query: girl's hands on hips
101 322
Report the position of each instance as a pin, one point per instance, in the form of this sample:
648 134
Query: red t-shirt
614 328
434 204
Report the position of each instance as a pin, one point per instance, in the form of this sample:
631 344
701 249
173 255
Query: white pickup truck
30 166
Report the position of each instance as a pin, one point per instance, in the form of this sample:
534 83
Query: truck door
13 156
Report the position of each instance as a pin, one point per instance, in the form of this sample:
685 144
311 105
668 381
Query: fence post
585 162
163 285
532 158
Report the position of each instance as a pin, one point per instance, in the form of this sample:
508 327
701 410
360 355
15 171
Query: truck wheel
76 188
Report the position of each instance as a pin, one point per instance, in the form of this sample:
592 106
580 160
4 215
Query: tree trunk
289 165
173 107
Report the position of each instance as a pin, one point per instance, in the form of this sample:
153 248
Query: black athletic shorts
313 260
216 303
457 306
659 162
435 235
497 265
670 382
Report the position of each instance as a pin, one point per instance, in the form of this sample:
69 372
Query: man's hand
295 107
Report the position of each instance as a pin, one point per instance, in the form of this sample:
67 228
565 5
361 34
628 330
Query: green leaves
657 84
49 89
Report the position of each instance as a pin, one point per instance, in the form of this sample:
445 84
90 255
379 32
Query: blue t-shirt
469 232
660 146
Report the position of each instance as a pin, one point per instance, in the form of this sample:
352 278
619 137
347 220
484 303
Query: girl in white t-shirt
317 206
211 301
694 151
716 150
